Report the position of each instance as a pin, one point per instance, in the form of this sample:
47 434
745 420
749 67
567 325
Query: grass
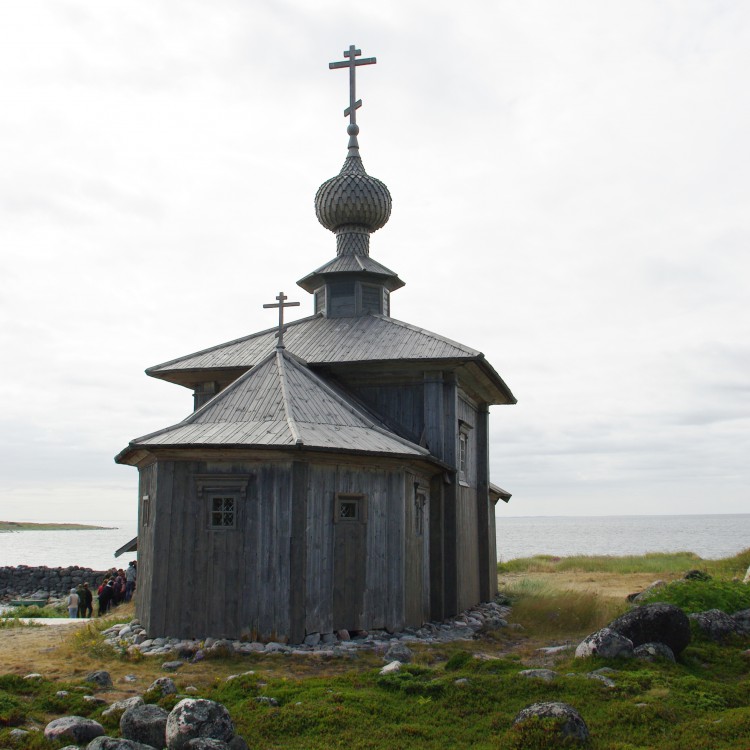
454 695
33 611
27 526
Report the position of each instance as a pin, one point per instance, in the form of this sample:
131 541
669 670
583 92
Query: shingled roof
280 403
319 341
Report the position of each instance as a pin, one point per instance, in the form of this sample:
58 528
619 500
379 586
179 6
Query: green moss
698 596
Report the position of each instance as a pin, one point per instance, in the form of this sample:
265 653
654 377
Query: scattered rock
742 621
206 743
117 709
654 652
394 666
264 700
697 575
608 681
172 666
95 700
101 679
607 643
547 675
198 717
714 624
662 623
399 652
163 686
116 743
571 726
33 676
146 723
76 728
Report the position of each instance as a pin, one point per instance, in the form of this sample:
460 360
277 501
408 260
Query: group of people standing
117 587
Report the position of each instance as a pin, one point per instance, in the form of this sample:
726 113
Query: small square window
223 512
348 508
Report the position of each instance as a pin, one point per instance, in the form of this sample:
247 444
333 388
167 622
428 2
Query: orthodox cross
351 63
281 304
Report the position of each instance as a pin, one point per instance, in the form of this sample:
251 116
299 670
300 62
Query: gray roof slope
321 340
350 263
280 403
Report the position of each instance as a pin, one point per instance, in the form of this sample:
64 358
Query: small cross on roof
281 304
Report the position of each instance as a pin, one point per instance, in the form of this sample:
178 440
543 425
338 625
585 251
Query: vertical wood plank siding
401 405
145 591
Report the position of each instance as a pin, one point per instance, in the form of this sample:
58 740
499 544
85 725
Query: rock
312 639
742 621
661 623
100 678
75 728
654 652
343 635
18 734
145 723
607 643
206 743
608 681
547 675
33 676
461 682
398 652
697 575
238 743
638 595
116 710
394 666
264 700
163 686
714 624
172 666
116 743
95 700
571 726
198 717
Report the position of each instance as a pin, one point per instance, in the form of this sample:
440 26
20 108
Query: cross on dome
281 304
354 104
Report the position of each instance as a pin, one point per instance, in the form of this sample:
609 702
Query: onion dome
353 204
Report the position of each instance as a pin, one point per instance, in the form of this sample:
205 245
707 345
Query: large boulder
197 717
660 623
571 727
714 624
607 643
76 728
146 723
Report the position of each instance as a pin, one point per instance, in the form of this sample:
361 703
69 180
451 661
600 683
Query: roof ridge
280 354
224 344
353 408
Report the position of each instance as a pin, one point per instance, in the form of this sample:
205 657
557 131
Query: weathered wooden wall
273 573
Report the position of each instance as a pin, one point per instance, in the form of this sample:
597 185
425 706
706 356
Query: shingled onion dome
353 204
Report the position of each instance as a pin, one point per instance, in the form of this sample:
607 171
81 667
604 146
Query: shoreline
9 526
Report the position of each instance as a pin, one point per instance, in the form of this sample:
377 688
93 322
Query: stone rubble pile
41 582
132 638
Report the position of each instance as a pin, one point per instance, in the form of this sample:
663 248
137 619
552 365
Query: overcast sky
570 196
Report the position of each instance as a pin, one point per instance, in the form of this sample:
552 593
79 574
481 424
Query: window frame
358 498
213 487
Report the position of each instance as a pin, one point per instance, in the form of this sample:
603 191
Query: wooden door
349 560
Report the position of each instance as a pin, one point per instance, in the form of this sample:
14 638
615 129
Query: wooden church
335 472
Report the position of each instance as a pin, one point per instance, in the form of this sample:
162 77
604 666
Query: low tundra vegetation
460 695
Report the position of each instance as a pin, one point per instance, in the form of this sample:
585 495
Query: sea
708 536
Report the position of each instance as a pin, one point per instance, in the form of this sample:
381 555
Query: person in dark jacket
85 601
105 597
